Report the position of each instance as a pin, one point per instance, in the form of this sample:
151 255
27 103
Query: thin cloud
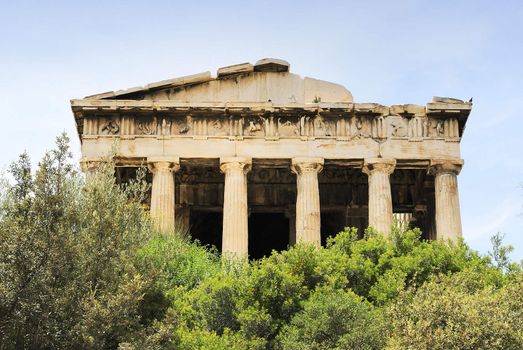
496 220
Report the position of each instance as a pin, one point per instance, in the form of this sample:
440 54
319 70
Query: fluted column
89 167
380 196
162 196
448 216
235 237
308 221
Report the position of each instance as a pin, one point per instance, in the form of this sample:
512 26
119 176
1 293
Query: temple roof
268 80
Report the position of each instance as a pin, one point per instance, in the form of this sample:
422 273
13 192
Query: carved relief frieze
324 127
109 126
254 126
414 127
288 127
361 127
180 126
147 126
184 126
218 126
397 126
436 128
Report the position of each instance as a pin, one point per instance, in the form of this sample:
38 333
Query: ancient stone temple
258 158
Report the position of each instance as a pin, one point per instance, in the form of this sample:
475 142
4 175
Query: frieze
147 126
274 126
323 127
109 126
397 126
288 127
254 126
362 127
218 127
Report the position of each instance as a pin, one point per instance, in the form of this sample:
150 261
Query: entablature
342 121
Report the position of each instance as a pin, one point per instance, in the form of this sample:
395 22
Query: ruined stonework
259 158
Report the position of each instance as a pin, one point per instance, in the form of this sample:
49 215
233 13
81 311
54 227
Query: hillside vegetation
81 267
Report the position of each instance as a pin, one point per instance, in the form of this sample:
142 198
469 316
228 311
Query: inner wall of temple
272 187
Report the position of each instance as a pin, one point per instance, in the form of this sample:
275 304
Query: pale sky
389 52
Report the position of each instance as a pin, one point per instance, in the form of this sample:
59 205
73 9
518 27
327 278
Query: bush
67 278
462 311
333 319
171 262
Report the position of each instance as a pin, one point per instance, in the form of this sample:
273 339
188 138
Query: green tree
461 311
379 268
67 278
333 319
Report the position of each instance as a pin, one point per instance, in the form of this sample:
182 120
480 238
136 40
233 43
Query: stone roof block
271 65
437 99
235 69
188 79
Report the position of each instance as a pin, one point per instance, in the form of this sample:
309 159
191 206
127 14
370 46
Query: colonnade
307 216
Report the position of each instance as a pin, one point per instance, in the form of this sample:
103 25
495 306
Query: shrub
333 319
67 278
462 311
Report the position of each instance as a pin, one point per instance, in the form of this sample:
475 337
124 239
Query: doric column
308 221
448 217
235 237
380 197
162 196
89 167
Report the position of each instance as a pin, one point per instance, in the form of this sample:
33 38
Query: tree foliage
67 277
460 311
82 267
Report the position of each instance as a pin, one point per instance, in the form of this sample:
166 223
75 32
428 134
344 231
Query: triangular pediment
269 80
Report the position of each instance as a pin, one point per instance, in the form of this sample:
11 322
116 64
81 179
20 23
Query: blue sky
390 52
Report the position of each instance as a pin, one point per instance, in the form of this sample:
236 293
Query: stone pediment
269 80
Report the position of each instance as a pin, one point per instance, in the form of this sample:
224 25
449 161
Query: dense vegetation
82 268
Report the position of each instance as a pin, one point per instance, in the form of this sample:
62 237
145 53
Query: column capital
378 165
302 165
235 163
163 163
445 166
